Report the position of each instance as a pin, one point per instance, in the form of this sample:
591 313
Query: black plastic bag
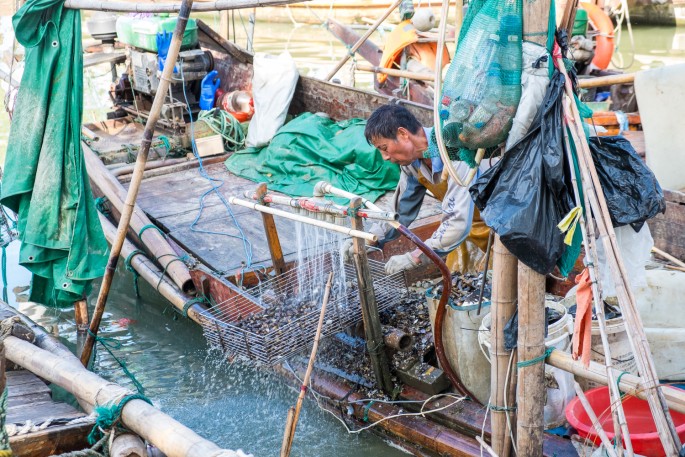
527 193
632 192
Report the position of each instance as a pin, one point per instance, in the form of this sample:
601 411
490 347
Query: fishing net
482 87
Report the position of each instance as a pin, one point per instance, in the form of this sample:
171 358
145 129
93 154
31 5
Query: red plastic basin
641 425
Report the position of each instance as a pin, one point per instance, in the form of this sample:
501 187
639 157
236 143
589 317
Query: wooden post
361 41
502 398
137 178
372 324
530 394
271 233
81 315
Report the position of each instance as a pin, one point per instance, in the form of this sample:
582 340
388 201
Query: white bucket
460 338
559 337
621 352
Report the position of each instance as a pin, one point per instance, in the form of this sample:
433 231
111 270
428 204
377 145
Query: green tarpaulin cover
45 180
313 148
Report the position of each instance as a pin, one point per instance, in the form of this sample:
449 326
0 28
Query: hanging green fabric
45 179
313 148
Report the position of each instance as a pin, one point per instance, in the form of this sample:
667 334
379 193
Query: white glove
401 262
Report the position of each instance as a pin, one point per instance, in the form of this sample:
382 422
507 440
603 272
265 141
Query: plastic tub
142 32
641 425
580 23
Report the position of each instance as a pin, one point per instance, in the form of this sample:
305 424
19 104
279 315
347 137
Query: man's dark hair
384 122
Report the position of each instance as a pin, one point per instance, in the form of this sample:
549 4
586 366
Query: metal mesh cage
278 318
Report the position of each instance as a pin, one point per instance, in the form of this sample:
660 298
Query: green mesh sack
482 87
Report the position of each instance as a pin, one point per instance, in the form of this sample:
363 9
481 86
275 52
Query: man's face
401 150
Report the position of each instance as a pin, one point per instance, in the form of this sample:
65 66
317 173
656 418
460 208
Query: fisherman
401 139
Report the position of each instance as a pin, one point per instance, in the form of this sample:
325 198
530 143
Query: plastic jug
210 84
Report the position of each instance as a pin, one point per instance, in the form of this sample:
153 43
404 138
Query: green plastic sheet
313 148
45 180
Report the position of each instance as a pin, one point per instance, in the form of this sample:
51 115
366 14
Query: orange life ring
604 41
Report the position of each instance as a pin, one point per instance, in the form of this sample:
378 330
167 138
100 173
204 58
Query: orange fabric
582 328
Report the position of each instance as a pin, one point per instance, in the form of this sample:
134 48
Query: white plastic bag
635 249
273 86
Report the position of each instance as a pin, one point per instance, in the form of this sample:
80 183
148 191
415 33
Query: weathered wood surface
29 399
668 229
173 202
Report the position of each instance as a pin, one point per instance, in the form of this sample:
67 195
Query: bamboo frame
636 335
149 7
362 40
171 437
363 66
129 205
595 422
588 228
503 306
307 220
152 274
629 383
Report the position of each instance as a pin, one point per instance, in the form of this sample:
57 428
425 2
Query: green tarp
313 148
45 180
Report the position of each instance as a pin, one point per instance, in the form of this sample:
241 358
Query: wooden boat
41 427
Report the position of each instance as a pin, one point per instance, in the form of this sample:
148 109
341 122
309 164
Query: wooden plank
40 412
52 440
18 377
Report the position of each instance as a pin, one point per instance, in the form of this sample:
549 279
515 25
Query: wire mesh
278 318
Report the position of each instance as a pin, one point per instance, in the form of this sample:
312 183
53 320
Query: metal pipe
397 339
318 205
306 220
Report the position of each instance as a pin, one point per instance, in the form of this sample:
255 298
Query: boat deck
173 201
30 400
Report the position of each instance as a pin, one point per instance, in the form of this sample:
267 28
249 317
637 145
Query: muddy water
235 405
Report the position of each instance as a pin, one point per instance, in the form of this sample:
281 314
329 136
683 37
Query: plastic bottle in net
511 58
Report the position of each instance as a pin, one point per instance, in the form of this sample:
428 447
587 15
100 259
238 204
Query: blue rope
215 184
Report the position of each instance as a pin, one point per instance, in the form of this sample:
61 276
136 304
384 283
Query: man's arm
408 207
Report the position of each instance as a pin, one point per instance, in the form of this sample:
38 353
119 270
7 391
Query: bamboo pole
372 325
636 335
175 7
587 230
158 246
152 274
363 66
504 293
361 40
629 383
668 256
81 315
531 392
127 445
171 437
595 422
154 164
129 205
307 220
290 432
599 81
